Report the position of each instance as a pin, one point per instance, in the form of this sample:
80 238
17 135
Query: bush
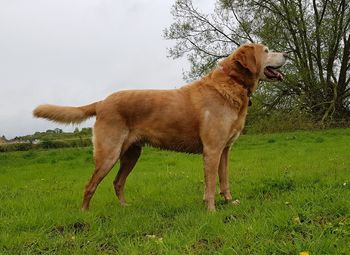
46 144
16 147
279 121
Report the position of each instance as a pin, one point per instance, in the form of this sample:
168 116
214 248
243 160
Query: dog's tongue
273 73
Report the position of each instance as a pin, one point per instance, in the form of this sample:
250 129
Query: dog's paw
211 210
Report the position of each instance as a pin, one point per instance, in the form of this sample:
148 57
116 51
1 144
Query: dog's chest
236 126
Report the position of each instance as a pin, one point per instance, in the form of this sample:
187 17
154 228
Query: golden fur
205 116
65 114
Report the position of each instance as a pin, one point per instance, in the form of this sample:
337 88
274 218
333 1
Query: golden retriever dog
205 116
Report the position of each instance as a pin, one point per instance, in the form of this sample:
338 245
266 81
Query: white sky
74 52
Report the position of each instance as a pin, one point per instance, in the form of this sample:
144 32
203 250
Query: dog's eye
267 50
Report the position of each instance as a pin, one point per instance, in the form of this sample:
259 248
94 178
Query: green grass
294 190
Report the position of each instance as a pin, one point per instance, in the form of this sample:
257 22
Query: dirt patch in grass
75 228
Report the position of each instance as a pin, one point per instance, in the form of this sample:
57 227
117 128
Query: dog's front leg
223 175
211 158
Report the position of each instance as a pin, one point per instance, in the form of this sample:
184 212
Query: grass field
294 190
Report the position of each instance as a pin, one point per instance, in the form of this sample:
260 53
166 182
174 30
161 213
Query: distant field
294 190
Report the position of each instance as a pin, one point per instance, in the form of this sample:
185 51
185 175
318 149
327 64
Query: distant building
36 141
3 139
16 141
55 131
58 131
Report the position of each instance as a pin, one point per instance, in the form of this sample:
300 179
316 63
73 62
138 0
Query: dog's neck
238 81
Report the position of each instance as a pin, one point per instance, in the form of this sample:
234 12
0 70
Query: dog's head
253 63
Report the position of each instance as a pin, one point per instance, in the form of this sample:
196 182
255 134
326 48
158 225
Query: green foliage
279 121
294 195
58 134
46 144
49 139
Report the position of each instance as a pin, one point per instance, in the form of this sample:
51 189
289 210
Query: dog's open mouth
273 73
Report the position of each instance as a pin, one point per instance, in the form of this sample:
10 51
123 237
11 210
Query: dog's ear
246 58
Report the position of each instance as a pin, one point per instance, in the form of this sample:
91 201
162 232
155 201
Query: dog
205 117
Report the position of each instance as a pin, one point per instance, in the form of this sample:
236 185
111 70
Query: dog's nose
286 53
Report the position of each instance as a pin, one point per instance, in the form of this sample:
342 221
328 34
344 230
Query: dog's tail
65 114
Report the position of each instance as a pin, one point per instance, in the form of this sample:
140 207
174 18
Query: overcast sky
74 52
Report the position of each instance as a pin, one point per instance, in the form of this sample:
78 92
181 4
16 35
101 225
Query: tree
316 32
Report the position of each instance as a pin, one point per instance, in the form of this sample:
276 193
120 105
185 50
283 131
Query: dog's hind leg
127 163
108 142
